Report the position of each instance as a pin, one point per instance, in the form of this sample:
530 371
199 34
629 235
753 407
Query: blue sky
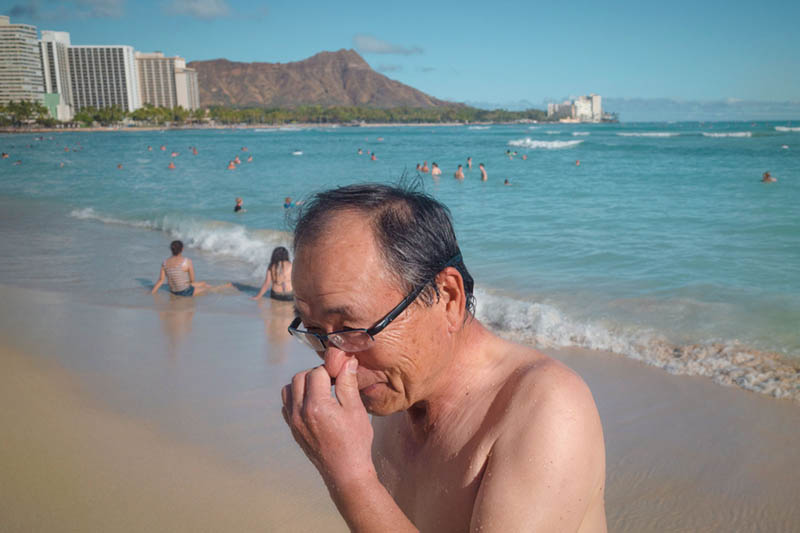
502 52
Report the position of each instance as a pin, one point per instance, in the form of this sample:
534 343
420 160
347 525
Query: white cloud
69 9
202 9
372 45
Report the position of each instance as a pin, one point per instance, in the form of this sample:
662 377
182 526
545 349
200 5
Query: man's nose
334 360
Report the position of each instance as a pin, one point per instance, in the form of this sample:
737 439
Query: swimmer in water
194 150
424 168
287 202
119 166
484 176
360 151
163 148
174 154
435 170
524 157
577 162
171 165
5 155
506 182
239 207
250 159
244 148
469 163
149 148
61 165
237 160
419 167
373 157
231 165
767 178
459 175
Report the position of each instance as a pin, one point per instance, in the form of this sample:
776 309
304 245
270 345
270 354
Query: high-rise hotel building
53 48
166 81
20 65
104 76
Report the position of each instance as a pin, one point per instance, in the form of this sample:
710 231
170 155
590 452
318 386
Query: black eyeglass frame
383 322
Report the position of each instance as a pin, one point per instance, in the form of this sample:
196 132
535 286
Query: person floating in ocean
767 178
174 154
178 271
577 162
288 203
360 151
419 167
244 148
425 168
506 182
435 170
163 148
468 431
231 165
250 159
66 148
459 175
509 154
484 176
524 157
237 160
18 162
279 277
194 150
119 166
239 207
5 155
171 165
149 148
469 163
373 157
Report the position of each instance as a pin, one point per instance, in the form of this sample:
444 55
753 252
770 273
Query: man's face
340 281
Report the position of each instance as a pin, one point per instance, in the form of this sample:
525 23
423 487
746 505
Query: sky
514 51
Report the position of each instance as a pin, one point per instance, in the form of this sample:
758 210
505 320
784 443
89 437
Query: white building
582 109
166 82
104 76
20 65
53 49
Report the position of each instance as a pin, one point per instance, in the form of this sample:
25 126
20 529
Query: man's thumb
347 385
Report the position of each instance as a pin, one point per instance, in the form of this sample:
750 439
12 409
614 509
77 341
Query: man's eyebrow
341 310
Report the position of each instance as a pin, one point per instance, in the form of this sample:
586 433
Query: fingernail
352 365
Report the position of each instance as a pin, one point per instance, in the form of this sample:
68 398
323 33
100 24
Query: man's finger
347 386
318 385
298 392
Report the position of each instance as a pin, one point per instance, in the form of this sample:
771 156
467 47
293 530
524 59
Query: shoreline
143 415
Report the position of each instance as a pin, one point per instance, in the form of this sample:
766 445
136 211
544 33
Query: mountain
328 78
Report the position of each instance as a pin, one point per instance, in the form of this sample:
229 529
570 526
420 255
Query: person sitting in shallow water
178 271
279 277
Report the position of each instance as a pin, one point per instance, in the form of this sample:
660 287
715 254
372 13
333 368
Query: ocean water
662 245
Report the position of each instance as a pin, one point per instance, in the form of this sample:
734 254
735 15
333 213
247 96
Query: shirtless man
435 170
459 175
484 176
425 168
469 432
469 163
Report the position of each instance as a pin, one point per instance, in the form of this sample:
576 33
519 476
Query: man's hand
335 433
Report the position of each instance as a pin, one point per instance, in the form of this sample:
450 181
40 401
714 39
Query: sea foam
478 128
546 145
729 134
725 363
580 133
786 128
649 134
216 237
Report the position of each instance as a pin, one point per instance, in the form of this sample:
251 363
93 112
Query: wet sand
163 415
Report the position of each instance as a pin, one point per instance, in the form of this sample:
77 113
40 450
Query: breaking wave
213 236
580 133
729 134
725 363
786 128
546 145
478 128
650 134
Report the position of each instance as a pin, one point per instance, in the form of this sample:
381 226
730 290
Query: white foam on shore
729 134
216 237
726 363
650 134
786 128
478 128
546 145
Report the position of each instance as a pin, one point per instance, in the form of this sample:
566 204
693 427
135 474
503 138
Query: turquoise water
661 245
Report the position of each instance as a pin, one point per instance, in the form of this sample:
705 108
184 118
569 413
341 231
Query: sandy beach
166 417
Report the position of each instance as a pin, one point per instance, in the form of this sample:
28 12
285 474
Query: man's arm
547 469
336 435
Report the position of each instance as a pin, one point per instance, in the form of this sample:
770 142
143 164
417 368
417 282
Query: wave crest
786 128
546 145
727 363
649 134
729 134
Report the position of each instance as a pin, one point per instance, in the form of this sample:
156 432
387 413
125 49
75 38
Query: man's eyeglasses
359 339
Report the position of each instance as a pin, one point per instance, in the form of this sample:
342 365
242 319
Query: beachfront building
20 64
103 76
166 81
53 53
582 109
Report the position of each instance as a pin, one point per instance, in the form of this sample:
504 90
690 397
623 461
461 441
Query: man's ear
453 297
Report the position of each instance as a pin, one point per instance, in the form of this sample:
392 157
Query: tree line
19 114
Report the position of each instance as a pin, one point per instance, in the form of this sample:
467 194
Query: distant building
104 76
53 50
20 64
582 109
166 82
